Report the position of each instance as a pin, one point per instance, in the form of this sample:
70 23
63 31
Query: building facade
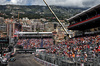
3 28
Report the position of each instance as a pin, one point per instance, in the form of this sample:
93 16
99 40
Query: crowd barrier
44 62
65 61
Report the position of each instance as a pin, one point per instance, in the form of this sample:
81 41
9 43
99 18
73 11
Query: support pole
10 34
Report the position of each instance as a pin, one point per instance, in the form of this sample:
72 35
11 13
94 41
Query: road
24 60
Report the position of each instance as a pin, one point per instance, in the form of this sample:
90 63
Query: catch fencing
65 61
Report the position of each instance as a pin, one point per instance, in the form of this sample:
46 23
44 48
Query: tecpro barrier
44 62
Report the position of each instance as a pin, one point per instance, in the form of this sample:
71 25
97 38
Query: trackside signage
25 51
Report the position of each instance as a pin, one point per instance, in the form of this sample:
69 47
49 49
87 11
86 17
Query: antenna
56 17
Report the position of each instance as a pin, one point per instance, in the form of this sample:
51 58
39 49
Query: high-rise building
13 26
2 27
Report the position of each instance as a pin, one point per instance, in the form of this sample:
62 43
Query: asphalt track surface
24 60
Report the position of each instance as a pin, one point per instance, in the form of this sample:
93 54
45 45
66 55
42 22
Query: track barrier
44 62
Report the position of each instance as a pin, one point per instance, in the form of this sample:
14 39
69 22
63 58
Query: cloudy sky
75 3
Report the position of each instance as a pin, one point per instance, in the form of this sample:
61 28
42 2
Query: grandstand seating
34 43
81 49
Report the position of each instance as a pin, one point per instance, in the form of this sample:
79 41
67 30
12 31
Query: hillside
36 11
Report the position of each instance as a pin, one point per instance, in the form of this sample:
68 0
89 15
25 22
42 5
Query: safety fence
45 63
65 61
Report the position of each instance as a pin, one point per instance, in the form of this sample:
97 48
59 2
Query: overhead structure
87 22
35 34
26 33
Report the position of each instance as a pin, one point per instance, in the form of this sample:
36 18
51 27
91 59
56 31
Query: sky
74 3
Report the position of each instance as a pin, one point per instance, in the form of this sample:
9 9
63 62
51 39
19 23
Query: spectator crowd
78 49
83 49
35 43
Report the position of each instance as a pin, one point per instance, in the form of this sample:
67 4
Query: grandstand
86 26
86 22
36 40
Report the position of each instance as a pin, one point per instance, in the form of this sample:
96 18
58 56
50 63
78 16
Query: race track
24 60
